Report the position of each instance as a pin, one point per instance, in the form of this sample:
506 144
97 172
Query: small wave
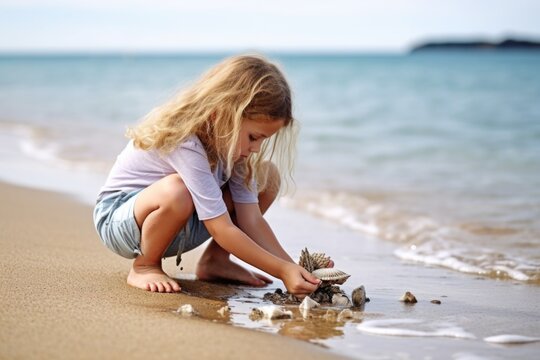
69 149
511 339
425 239
385 327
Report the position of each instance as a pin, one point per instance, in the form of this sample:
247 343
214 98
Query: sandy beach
64 296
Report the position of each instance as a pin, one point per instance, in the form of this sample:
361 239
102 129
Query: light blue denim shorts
115 223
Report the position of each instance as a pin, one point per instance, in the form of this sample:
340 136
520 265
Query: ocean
437 154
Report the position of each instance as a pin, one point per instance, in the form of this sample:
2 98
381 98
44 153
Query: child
194 169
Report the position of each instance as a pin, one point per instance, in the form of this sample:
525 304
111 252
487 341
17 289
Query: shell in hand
331 275
313 261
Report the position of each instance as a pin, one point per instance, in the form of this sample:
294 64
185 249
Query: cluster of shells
328 293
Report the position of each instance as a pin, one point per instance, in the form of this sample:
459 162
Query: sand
63 295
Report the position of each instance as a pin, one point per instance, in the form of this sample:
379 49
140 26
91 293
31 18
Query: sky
280 25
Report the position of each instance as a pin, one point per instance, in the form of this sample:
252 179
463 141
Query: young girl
194 169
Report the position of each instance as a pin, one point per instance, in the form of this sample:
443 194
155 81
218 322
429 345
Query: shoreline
64 293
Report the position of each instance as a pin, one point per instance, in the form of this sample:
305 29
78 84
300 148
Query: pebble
186 309
408 298
438 302
224 311
359 296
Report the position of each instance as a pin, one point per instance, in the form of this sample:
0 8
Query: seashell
313 261
308 304
224 311
340 300
271 312
408 298
330 315
359 296
320 260
306 261
331 275
186 309
345 314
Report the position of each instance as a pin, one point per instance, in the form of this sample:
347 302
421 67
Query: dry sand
63 295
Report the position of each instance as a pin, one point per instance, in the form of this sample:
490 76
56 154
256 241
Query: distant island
508 44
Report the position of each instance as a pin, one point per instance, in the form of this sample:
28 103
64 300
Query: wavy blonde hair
214 107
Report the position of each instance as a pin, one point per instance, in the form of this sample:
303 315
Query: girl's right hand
299 281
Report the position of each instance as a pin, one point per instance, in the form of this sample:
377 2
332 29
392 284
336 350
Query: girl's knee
269 174
175 195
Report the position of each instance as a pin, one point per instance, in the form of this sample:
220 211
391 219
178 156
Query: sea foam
511 339
385 327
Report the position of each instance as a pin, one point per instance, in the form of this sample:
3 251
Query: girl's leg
215 261
161 211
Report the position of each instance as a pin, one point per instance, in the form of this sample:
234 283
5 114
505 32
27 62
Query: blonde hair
239 88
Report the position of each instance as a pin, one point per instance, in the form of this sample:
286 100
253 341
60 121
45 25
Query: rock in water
340 300
408 298
345 314
271 312
359 297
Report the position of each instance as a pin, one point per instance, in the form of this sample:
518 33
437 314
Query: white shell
345 314
332 275
308 304
340 300
224 311
273 312
186 309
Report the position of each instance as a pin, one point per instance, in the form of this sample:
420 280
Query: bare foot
151 278
223 268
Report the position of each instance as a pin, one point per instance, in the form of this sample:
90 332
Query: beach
64 296
414 173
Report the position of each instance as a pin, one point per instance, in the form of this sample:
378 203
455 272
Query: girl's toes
167 286
160 287
175 286
153 287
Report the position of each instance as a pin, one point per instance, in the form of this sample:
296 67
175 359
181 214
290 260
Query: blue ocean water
436 152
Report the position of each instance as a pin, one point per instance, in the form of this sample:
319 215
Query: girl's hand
299 281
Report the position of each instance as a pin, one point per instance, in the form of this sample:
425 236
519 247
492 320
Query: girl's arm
251 221
297 280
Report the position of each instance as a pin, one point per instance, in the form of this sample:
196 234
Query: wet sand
63 295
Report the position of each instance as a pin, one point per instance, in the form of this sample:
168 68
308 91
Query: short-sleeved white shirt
137 169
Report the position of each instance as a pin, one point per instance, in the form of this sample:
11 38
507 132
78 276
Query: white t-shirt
137 169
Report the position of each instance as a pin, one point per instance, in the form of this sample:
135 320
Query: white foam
445 245
439 258
513 273
382 327
468 356
511 339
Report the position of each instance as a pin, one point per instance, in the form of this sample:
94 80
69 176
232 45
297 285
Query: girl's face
252 134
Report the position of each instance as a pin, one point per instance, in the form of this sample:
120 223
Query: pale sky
287 25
